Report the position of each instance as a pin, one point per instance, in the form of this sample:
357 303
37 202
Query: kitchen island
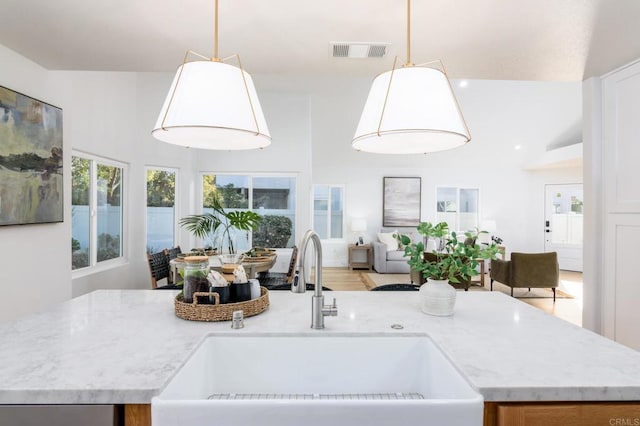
121 347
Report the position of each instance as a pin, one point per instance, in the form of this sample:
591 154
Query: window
96 210
458 207
328 210
271 196
161 211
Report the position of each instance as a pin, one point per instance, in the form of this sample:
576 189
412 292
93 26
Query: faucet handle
330 310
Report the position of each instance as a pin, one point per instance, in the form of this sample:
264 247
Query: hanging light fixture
411 110
212 105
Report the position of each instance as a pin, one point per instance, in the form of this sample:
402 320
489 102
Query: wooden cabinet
132 415
562 413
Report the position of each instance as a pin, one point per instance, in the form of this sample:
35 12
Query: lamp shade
209 106
358 225
412 112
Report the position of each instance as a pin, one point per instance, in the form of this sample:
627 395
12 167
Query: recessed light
517 147
463 83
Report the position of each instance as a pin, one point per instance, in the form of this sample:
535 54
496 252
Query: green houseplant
455 262
220 223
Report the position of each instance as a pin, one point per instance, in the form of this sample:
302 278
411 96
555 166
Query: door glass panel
567 219
274 198
232 192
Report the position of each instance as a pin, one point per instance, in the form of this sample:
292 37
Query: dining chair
271 279
159 268
171 254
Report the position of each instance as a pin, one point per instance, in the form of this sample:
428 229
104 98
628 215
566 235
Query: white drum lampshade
416 112
209 106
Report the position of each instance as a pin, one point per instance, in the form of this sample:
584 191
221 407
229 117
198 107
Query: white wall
111 115
35 259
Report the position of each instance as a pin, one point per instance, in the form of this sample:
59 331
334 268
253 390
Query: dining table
252 265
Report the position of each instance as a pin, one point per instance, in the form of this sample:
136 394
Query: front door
563 224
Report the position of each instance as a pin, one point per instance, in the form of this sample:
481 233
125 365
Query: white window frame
458 188
94 265
250 188
344 209
176 193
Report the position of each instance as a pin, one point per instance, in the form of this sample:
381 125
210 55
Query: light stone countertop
122 346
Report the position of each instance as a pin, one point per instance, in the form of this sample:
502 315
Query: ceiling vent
343 49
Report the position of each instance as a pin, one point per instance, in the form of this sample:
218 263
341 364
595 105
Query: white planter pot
438 297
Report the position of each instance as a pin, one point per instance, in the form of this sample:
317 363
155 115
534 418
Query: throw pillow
413 236
389 240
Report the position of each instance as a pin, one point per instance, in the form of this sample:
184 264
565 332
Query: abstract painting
401 202
30 160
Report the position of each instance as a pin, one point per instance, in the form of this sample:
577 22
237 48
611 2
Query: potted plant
220 223
455 262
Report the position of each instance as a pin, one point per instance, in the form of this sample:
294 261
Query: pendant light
411 110
212 105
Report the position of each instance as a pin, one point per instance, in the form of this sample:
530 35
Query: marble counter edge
259 326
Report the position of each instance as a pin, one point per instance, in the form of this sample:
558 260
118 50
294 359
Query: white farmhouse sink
317 380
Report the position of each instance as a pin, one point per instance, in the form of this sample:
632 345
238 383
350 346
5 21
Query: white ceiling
488 39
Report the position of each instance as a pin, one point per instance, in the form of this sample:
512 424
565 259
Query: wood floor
343 279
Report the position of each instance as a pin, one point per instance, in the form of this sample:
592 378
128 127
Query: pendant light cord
215 33
408 64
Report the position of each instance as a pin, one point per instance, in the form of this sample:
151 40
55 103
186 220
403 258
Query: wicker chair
159 268
396 287
271 279
527 270
171 254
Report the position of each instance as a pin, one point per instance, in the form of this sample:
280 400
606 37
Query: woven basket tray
195 312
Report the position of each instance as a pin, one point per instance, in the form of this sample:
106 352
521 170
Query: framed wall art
30 160
401 201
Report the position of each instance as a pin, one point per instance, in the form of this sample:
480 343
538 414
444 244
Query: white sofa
388 259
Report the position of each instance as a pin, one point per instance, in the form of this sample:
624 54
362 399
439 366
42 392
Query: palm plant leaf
201 225
243 220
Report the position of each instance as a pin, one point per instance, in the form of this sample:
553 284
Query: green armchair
527 270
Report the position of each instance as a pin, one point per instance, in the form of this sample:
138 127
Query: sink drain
317 396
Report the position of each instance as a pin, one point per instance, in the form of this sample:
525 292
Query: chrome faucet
318 309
